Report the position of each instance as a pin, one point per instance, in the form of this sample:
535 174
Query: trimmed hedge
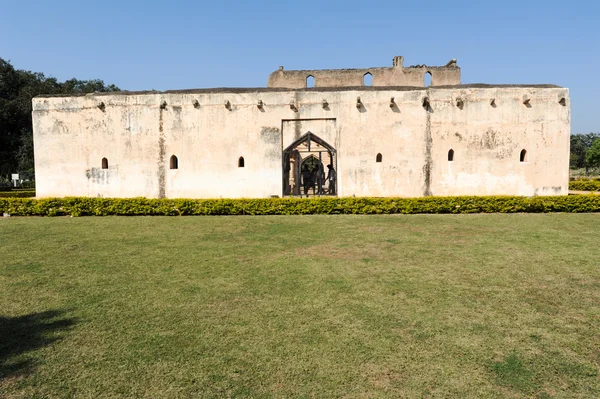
584 185
18 194
83 206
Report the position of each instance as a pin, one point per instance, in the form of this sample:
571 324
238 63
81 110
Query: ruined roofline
364 69
398 62
396 75
241 90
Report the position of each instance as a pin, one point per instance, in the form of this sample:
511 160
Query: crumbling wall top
397 75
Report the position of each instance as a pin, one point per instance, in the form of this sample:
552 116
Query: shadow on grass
23 334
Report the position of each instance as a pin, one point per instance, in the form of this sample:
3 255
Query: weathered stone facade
397 75
396 138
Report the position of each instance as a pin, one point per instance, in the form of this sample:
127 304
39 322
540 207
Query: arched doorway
309 167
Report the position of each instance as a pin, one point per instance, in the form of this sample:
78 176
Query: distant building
362 132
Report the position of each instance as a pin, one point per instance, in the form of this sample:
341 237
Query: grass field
440 306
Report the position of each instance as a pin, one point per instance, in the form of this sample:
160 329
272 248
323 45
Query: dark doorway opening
309 167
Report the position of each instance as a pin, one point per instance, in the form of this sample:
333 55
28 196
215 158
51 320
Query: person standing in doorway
331 175
320 179
306 178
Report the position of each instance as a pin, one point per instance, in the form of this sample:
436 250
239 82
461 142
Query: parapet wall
397 75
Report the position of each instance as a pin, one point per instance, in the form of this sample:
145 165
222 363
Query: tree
17 88
580 144
578 150
72 86
592 157
25 161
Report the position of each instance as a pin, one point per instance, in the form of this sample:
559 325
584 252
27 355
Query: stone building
348 132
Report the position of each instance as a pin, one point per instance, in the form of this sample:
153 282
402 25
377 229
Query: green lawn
440 306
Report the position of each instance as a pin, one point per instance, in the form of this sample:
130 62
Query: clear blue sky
141 45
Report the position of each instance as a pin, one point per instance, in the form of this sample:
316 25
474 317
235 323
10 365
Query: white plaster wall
487 142
397 133
72 135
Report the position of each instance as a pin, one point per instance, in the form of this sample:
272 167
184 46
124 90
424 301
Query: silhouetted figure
331 175
306 179
320 179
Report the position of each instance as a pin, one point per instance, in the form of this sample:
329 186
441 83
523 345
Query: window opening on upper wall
174 163
450 155
367 79
523 157
310 81
378 158
104 163
241 162
427 79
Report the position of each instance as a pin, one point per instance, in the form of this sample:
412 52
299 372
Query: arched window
310 81
523 156
174 163
451 155
427 79
241 162
367 79
104 163
378 158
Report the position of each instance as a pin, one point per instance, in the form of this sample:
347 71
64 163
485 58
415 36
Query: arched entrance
309 167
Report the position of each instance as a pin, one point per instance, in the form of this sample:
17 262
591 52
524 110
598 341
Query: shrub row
584 178
584 185
18 194
81 206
